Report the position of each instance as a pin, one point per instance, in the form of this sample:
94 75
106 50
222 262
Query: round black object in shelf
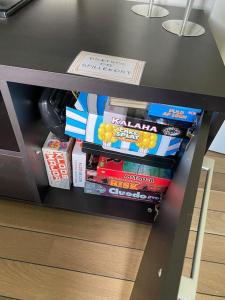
52 105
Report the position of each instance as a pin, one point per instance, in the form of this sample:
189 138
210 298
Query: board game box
153 129
57 158
105 190
153 199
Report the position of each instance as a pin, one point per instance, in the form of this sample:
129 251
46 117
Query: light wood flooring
50 254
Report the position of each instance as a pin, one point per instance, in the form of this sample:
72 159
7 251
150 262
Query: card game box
57 158
78 165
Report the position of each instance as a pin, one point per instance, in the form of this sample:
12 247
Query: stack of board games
117 124
128 175
129 127
121 179
135 181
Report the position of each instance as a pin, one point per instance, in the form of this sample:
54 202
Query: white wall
217 23
197 3
218 144
205 4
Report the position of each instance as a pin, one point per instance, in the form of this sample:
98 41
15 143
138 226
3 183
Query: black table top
47 35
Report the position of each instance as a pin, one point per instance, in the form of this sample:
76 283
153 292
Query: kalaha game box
57 157
129 127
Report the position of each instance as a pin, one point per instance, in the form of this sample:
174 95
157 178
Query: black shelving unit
75 199
8 140
179 71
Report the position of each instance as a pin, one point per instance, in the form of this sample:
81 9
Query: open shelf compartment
34 133
172 226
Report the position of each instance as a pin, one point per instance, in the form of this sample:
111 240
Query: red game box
114 172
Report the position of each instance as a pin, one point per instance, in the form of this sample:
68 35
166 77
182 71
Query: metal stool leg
184 27
188 285
150 10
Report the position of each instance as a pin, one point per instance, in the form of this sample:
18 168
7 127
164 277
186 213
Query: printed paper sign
107 67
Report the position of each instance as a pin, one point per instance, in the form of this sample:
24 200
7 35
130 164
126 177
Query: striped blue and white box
91 103
84 126
76 123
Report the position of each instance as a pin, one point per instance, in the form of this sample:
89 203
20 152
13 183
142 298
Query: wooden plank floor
49 254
